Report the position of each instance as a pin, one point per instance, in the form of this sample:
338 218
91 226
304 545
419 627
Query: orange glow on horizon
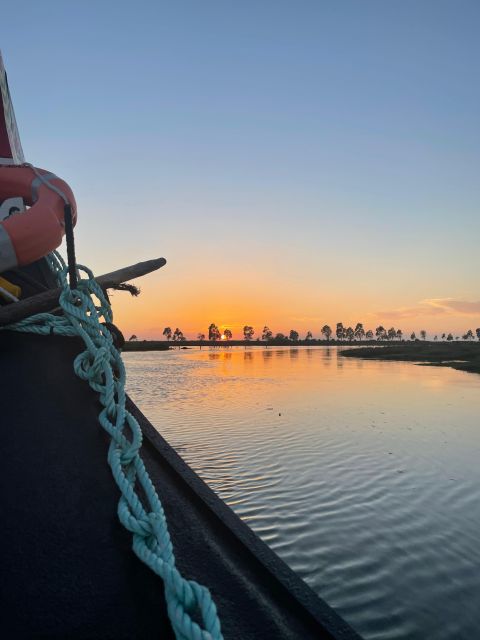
174 298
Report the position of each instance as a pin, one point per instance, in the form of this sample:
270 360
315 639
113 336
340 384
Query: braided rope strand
101 365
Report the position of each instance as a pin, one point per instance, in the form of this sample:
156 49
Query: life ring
29 235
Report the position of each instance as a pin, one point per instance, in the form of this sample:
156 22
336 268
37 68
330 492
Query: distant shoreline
463 356
165 345
418 350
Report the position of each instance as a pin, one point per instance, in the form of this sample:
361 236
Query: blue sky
319 157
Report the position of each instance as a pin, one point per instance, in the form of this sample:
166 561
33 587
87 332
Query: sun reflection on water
362 475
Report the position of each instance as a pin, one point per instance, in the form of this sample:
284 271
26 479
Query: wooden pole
48 300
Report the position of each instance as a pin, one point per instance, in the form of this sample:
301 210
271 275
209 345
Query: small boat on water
67 563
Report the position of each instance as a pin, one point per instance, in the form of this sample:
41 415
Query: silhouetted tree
349 333
468 335
178 335
228 334
309 336
436 338
293 335
380 333
423 334
248 332
167 332
213 332
413 336
340 332
477 331
369 335
359 331
399 334
443 336
280 336
133 338
266 334
391 334
449 337
200 336
326 331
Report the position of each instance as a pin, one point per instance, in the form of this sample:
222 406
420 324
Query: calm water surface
363 476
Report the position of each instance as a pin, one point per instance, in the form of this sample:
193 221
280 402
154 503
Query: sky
296 163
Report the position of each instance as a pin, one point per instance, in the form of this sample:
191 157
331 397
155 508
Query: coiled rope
101 365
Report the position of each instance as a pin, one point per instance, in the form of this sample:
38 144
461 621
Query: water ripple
364 479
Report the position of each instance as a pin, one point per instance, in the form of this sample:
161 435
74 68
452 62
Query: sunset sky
296 163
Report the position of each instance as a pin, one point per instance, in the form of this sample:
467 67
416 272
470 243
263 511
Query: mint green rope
101 365
56 264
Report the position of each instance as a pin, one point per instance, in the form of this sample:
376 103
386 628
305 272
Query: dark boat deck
67 565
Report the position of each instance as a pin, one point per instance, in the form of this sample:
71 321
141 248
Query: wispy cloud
434 307
455 307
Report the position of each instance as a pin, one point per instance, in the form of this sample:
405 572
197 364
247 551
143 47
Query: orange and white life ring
29 235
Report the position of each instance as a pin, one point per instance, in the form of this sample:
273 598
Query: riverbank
164 345
464 356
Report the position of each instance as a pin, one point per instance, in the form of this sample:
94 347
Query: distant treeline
342 334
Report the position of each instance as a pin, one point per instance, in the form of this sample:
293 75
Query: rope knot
128 455
144 527
90 366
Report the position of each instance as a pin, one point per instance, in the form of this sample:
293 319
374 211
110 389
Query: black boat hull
67 565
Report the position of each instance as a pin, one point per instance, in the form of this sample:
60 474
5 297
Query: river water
362 475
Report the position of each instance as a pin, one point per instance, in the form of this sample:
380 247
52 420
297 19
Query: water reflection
363 476
219 355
